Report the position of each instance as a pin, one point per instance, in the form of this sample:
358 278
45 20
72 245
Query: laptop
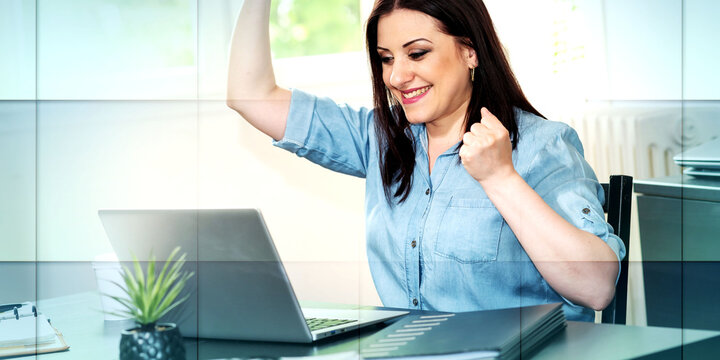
703 157
240 290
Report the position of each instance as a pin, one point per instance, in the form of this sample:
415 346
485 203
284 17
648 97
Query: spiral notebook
24 331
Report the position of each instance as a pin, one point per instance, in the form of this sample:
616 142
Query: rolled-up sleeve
334 136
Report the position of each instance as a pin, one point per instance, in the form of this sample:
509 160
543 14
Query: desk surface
79 318
686 187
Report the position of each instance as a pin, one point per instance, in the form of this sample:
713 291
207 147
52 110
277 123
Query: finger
478 129
469 139
490 120
465 154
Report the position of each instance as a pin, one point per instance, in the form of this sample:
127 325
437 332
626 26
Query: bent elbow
605 292
236 105
603 299
601 305
231 103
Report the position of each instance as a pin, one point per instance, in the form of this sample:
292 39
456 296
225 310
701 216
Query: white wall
701 31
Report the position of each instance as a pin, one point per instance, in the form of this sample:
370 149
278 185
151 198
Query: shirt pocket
469 231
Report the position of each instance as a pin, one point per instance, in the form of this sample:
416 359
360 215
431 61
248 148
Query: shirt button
427 192
586 211
415 302
413 244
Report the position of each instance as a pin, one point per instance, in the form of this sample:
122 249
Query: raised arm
252 90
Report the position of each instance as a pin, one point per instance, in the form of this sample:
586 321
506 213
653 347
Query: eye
386 59
416 55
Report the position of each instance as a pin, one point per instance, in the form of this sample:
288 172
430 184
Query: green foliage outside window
120 34
313 27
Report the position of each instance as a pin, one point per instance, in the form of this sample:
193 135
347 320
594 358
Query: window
311 27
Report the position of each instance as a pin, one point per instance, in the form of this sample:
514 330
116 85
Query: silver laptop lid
240 290
706 154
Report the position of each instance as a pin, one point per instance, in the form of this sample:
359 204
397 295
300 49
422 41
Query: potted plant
149 297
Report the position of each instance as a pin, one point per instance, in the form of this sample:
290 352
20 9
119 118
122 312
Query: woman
473 200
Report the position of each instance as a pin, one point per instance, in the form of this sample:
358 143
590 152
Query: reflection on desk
90 337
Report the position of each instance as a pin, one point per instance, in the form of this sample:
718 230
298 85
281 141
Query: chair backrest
618 201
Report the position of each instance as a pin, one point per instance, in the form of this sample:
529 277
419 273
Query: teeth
416 92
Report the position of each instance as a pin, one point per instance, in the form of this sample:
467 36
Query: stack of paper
27 330
505 334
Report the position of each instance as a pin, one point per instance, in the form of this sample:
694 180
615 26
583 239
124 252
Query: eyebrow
408 43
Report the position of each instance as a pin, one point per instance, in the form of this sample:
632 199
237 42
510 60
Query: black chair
618 200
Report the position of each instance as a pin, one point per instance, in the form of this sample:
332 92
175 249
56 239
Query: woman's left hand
486 152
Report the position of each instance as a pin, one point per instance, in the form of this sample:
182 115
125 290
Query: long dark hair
494 87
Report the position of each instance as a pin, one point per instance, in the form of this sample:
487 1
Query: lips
413 95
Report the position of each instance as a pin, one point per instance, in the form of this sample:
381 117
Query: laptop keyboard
317 324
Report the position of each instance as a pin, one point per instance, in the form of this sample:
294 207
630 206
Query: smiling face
426 70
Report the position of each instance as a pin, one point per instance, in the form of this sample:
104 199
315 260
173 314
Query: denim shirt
447 248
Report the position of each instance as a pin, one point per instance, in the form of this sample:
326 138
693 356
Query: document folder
503 334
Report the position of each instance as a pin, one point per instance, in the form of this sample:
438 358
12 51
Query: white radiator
639 140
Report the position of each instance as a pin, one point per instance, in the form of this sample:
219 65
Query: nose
400 74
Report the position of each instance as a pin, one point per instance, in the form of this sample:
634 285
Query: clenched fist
486 152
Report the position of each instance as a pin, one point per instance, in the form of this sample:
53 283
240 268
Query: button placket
415 290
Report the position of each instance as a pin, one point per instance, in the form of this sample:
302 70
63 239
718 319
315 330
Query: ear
469 56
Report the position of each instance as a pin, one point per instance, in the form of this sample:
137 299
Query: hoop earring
472 74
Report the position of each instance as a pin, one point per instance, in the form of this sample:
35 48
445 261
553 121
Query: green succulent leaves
150 297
